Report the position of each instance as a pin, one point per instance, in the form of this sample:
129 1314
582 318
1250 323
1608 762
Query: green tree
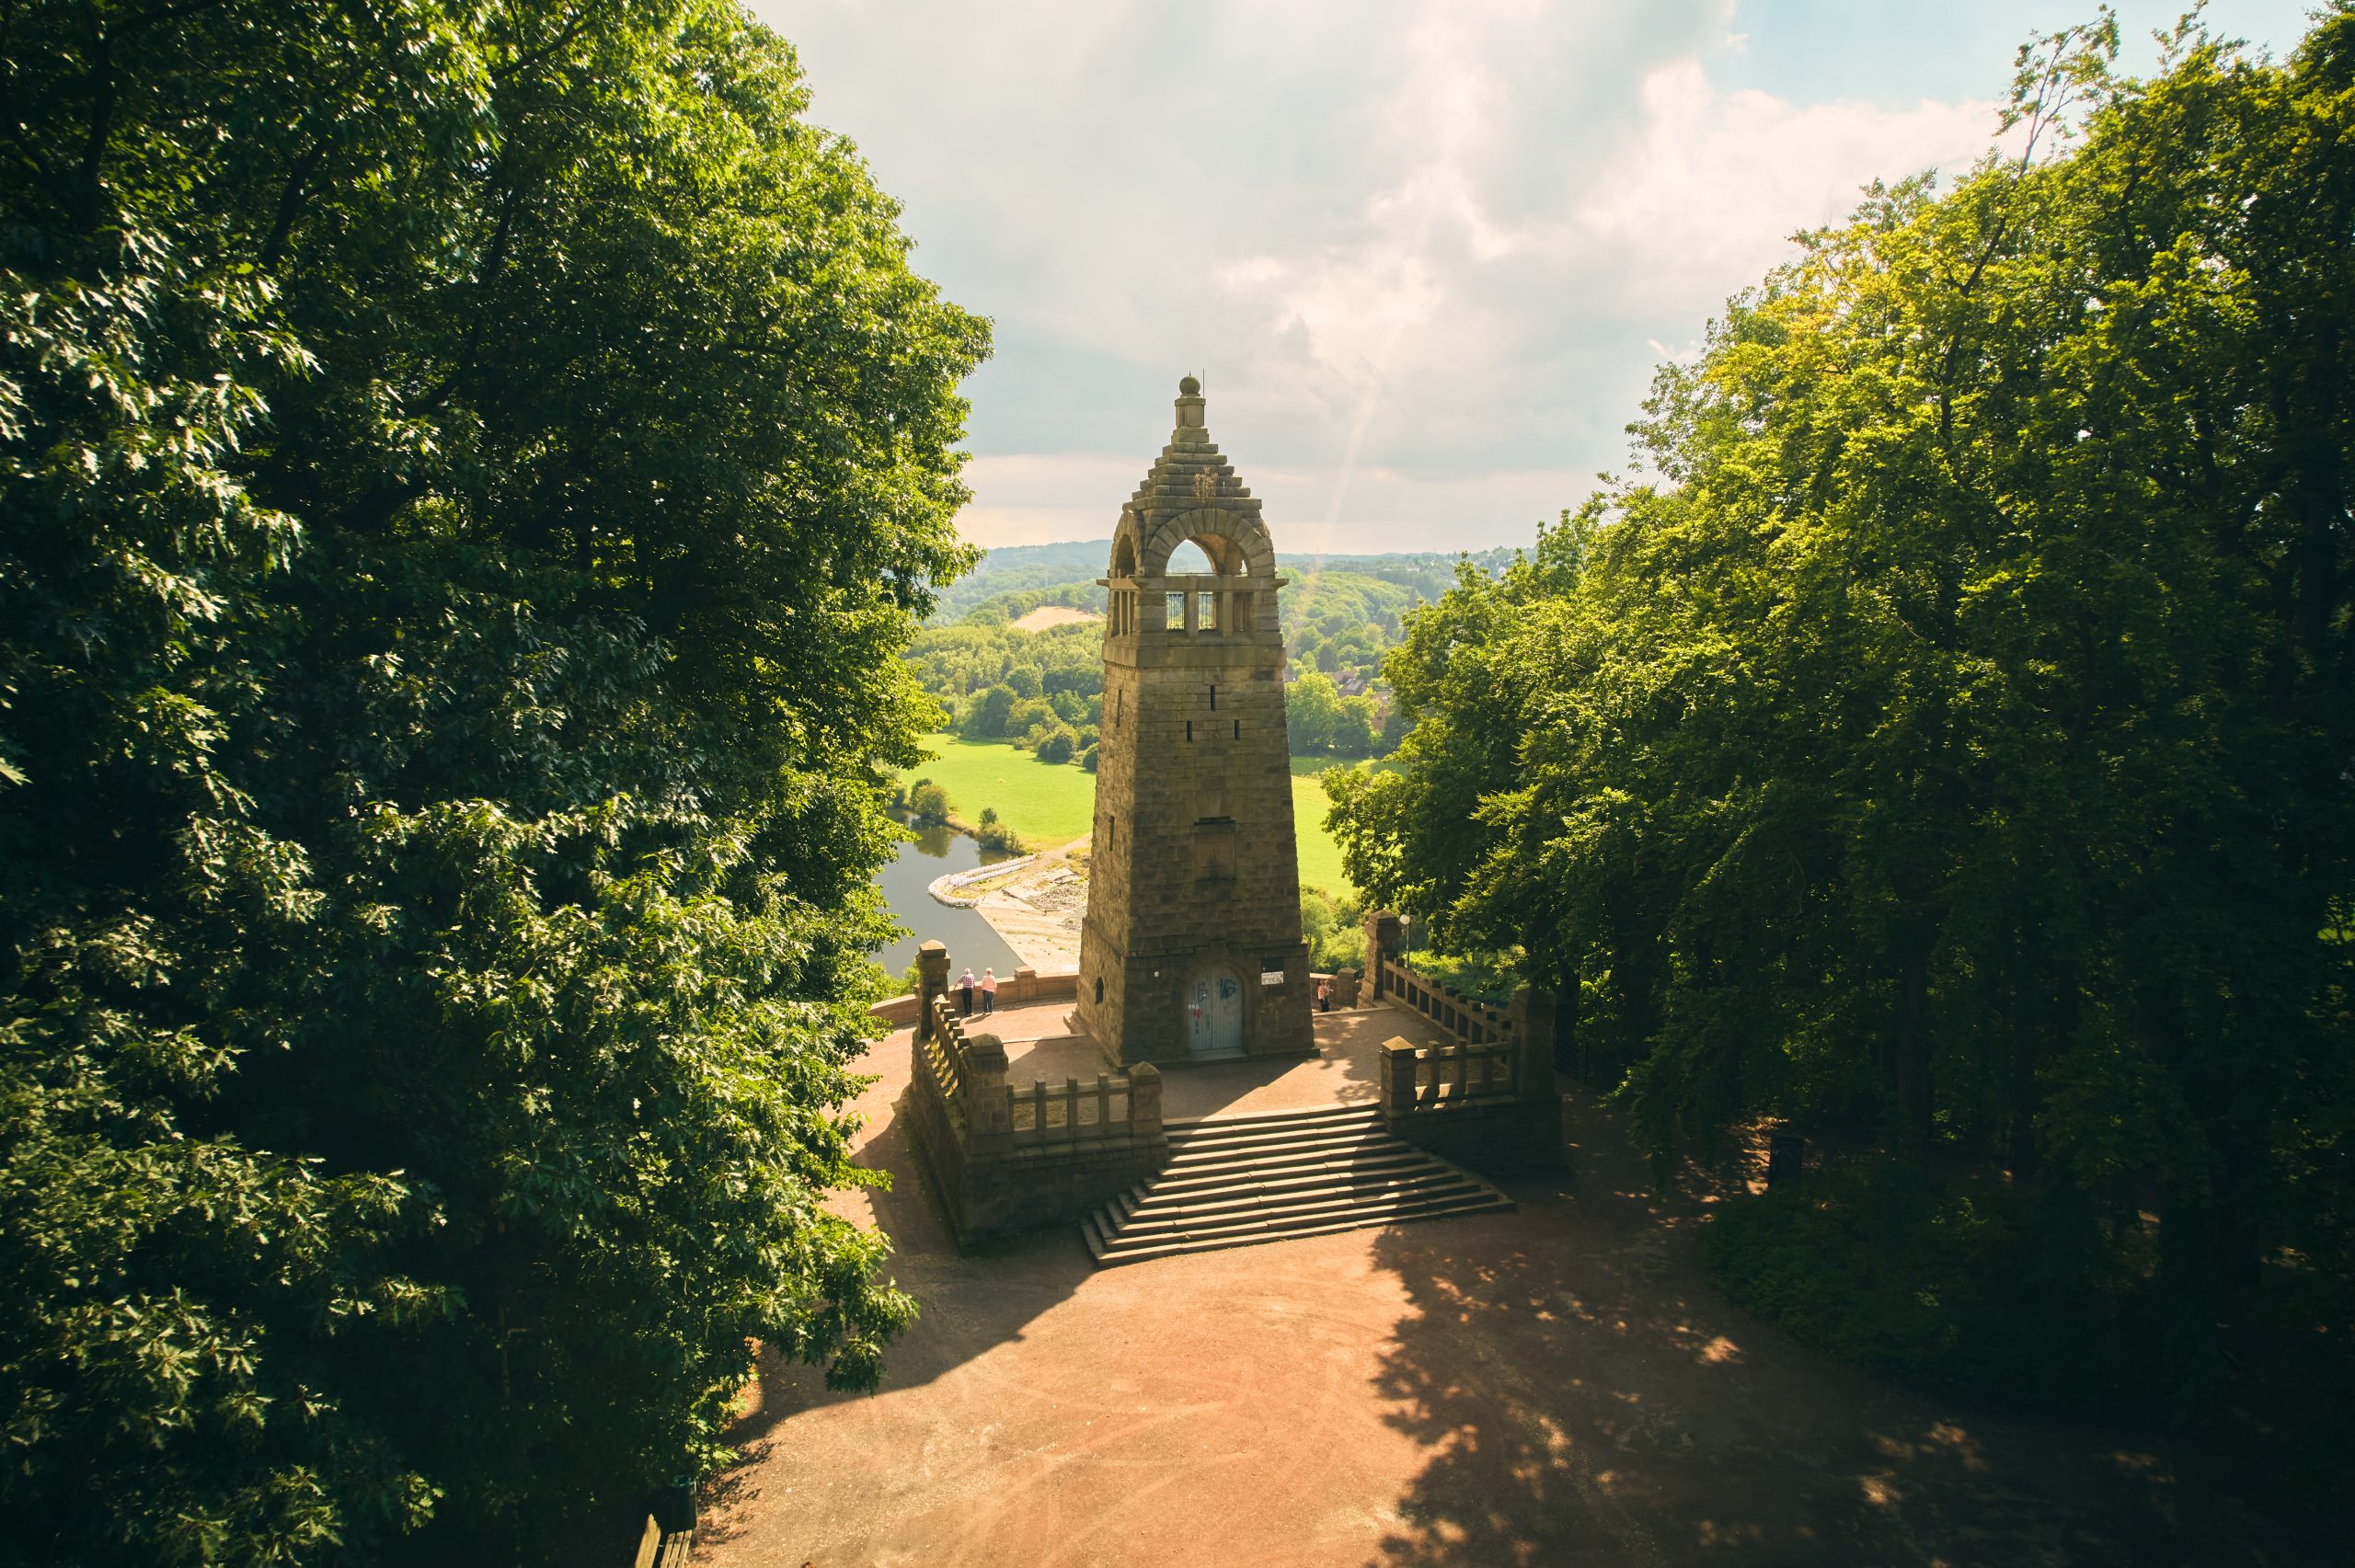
991 713
1029 719
1353 733
1312 713
469 474
929 802
1946 742
1057 745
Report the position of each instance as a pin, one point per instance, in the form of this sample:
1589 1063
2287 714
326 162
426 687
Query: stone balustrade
1484 1096
1468 1018
1427 1077
1024 985
999 1157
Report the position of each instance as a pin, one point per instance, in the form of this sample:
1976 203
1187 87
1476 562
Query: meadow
1049 803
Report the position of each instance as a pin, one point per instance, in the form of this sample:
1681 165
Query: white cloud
1426 256
1716 181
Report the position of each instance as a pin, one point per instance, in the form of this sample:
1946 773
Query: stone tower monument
1192 949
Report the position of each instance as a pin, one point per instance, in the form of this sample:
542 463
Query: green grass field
1048 803
1320 857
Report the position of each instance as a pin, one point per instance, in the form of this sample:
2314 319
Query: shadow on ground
1589 1399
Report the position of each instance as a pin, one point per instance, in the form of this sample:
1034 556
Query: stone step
1208 1126
1113 1253
1235 1181
1202 1213
1287 1173
1306 1149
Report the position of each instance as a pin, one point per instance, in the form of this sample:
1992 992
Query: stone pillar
1145 1101
989 1112
1345 987
1532 1015
932 980
1384 935
1398 1078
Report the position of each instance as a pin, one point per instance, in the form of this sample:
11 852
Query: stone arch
1124 546
1238 547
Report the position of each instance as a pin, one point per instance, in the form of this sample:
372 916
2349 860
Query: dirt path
1554 1386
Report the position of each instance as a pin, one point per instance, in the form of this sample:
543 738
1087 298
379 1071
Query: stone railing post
1532 1017
989 1111
1346 985
1145 1101
932 980
1385 934
1398 1078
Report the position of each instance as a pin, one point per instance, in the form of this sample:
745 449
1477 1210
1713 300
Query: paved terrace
1344 1071
1554 1386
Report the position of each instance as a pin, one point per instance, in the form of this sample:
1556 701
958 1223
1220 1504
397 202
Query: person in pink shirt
988 990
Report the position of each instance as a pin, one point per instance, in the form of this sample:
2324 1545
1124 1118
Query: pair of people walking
967 986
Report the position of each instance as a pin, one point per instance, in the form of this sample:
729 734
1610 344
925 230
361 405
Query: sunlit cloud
1425 257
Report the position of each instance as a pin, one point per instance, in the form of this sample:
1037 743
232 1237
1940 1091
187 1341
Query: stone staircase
1238 1181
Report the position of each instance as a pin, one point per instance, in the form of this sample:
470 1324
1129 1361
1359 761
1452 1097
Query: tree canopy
469 473
1945 735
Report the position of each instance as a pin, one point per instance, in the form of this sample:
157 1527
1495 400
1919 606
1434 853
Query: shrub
928 802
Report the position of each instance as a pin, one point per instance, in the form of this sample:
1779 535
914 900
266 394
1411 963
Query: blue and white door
1214 1013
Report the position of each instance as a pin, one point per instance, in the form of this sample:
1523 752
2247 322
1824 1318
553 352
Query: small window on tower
1189 729
1175 613
1238 729
1213 699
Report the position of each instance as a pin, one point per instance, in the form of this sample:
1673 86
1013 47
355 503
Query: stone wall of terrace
1001 1157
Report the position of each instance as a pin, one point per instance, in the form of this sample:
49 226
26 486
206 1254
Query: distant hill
1016 578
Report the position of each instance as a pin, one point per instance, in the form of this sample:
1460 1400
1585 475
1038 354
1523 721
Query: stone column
932 980
1345 987
989 1112
1533 1020
1385 934
1398 1078
1144 1102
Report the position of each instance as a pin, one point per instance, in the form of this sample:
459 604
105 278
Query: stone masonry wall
1194 867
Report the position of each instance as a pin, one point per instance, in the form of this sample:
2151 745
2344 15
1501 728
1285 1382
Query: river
971 940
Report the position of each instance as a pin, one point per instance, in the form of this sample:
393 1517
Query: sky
1425 256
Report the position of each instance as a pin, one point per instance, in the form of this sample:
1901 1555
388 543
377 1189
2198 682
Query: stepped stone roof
1192 476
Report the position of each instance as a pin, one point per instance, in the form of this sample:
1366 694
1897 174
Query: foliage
1489 977
469 475
1965 1287
997 836
1946 739
928 802
1336 936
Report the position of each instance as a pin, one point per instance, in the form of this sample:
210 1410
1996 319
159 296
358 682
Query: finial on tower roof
1189 408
